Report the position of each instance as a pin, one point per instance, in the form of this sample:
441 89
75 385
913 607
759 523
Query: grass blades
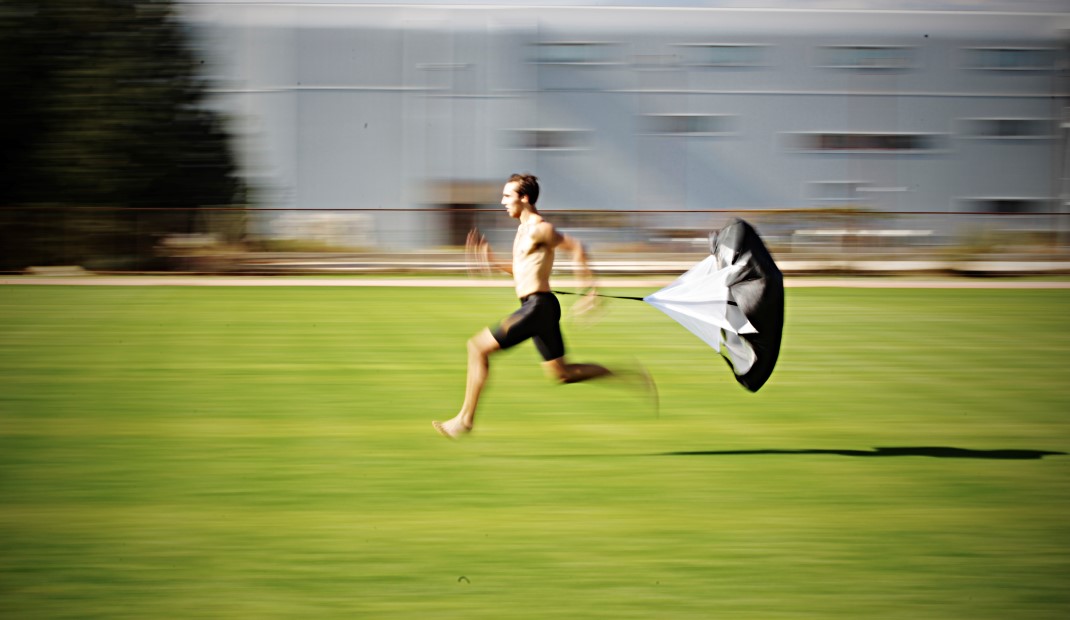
267 453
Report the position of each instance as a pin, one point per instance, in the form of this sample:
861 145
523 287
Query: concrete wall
365 107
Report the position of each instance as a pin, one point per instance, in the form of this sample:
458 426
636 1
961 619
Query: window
575 53
688 124
865 57
548 139
1011 58
723 55
1009 128
865 142
1008 206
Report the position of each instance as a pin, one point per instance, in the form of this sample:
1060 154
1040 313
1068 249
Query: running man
540 313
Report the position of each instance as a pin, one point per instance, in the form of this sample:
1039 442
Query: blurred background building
193 134
650 118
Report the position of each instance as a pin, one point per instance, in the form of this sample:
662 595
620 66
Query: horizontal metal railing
229 239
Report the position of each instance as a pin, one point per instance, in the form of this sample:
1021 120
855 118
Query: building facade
394 109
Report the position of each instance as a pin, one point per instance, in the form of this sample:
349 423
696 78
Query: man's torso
532 261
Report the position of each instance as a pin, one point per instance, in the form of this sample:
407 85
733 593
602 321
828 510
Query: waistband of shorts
538 294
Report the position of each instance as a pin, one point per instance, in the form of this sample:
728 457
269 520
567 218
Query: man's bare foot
452 428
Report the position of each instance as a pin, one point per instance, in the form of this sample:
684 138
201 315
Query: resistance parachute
734 301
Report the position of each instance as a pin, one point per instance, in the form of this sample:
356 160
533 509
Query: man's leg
574 373
480 347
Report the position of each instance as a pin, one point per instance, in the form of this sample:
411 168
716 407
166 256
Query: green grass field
170 452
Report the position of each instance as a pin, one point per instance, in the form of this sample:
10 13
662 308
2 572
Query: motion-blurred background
291 137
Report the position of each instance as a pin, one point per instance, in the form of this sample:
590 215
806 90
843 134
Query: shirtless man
540 313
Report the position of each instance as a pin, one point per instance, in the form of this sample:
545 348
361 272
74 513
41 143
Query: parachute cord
730 302
598 295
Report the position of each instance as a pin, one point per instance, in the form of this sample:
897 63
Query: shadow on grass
935 452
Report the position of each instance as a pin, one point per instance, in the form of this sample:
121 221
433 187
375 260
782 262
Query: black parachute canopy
734 301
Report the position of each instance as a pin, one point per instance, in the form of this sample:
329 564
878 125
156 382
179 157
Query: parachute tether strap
598 295
729 302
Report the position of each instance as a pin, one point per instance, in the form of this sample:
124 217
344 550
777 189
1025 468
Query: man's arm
579 255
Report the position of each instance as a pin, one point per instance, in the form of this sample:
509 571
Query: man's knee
483 344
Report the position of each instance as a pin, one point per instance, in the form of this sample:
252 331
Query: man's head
520 193
526 185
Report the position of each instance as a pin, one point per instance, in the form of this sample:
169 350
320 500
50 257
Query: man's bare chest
525 244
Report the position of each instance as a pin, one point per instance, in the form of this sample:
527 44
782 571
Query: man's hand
477 254
587 304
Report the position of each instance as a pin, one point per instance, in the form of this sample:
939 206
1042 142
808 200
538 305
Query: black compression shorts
538 318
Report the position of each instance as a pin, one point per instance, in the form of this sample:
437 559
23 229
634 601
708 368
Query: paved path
648 283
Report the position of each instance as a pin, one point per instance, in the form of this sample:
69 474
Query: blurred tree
107 145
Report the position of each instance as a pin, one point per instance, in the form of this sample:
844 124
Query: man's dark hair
526 185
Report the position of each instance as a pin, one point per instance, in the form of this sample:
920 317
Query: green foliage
267 453
103 108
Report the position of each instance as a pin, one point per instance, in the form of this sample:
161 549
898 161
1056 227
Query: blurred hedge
107 145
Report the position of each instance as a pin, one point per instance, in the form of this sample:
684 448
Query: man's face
512 201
